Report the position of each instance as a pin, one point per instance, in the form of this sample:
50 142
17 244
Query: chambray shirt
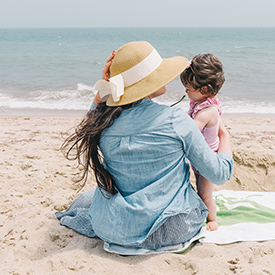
147 151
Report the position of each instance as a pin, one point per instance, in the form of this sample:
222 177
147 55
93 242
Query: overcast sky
136 13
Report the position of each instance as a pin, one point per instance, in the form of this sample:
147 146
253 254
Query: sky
137 13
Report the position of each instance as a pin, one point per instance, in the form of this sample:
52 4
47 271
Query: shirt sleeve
93 106
217 168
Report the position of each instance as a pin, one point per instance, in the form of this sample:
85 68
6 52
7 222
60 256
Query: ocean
52 71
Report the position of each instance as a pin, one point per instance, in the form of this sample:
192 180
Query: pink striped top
210 133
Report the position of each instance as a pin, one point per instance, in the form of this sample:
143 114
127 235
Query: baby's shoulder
209 116
210 105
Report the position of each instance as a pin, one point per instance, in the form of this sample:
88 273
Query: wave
245 107
230 106
80 97
77 98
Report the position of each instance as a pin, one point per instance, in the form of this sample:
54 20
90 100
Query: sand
36 180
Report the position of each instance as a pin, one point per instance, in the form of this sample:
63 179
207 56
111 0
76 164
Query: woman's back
142 147
145 156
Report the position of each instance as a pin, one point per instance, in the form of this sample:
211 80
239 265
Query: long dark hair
82 145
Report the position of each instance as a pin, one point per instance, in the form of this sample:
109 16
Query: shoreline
36 180
35 112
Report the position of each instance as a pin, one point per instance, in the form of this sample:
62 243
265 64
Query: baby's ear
204 90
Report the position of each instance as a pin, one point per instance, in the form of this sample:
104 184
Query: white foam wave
69 99
80 97
84 87
244 107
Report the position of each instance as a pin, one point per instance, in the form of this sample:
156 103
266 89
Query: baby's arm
207 117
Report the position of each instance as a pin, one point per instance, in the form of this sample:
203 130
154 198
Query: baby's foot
212 226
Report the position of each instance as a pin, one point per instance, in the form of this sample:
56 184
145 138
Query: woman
140 152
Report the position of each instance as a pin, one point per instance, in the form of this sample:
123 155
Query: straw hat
137 56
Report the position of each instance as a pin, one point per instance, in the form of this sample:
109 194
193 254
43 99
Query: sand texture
36 180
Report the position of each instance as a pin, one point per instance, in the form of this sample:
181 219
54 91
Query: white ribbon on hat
116 84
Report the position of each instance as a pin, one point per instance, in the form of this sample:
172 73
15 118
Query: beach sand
36 180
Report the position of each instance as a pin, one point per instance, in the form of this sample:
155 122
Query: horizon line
182 27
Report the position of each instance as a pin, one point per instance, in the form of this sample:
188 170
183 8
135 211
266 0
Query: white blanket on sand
242 216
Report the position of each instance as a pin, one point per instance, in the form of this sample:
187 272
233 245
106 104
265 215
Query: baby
203 79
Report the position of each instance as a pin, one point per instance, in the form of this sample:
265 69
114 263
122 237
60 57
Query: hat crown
140 70
130 55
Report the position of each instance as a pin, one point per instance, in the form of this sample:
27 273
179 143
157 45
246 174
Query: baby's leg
205 190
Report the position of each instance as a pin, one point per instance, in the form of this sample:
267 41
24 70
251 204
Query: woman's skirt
177 229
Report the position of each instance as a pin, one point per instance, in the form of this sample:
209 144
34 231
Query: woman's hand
105 75
106 70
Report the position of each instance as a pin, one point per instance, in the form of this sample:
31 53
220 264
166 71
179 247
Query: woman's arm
105 75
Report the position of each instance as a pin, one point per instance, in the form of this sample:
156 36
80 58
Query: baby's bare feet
212 226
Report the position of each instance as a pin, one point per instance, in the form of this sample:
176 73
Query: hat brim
167 71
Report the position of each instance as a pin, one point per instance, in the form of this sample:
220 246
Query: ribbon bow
115 87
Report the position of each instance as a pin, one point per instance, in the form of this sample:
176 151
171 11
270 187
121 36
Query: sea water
53 70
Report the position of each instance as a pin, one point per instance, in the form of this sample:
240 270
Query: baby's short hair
204 70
